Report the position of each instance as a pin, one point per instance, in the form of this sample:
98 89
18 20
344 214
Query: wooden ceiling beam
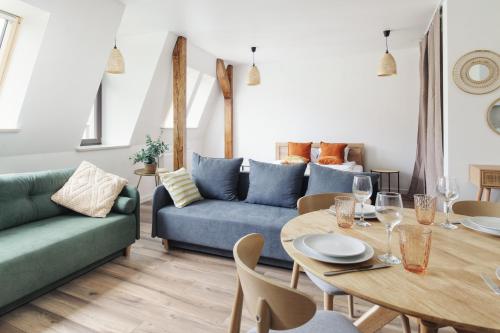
179 63
223 79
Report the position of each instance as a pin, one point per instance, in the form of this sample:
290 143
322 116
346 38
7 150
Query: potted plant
150 154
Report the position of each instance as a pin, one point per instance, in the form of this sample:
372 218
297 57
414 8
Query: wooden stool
387 172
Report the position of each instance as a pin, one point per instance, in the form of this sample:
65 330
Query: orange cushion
302 149
332 149
330 160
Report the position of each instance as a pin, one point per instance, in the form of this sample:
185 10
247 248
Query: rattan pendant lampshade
387 66
116 63
253 78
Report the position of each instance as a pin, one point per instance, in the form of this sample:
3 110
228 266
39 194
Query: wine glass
362 190
447 188
389 210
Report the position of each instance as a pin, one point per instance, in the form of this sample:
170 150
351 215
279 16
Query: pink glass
344 211
425 208
415 244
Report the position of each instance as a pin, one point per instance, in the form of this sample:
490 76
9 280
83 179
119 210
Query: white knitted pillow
90 191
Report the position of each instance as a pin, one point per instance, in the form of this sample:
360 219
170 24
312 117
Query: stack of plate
485 224
368 209
334 249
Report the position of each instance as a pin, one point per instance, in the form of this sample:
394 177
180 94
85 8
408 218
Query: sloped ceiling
283 28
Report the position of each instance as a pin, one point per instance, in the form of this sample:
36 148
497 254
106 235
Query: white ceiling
293 29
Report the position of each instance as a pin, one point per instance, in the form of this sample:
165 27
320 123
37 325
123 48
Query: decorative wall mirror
478 72
493 116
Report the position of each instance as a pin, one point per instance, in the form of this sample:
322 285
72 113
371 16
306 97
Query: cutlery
357 269
489 282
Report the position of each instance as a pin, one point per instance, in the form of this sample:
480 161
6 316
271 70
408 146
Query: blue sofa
214 226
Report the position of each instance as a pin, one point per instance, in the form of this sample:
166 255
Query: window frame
97 121
8 40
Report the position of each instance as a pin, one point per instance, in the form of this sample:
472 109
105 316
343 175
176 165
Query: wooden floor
151 291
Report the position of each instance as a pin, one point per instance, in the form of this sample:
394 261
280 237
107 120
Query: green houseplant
149 155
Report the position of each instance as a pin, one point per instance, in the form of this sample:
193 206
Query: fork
489 282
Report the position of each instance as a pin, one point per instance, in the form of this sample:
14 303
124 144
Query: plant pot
150 167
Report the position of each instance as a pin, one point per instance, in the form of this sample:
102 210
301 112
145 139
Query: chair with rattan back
273 305
477 208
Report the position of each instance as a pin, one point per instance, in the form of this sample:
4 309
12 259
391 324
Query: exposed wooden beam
225 78
179 100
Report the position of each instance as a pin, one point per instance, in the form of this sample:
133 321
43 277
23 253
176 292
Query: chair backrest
477 208
311 203
274 306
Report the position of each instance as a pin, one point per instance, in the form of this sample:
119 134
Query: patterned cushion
181 187
90 191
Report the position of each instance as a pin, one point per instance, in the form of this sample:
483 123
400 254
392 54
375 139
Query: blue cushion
219 224
217 178
326 180
275 184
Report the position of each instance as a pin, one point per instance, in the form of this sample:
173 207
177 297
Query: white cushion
90 191
181 187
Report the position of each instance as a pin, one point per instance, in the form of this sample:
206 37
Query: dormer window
8 27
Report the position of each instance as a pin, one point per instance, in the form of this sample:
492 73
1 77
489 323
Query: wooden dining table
450 293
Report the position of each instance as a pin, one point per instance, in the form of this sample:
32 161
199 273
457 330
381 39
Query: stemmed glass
447 188
362 190
389 210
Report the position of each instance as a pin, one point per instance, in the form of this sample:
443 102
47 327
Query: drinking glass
447 188
344 211
425 208
362 190
415 244
389 210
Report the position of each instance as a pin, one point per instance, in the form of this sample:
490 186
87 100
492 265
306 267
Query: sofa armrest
132 192
161 198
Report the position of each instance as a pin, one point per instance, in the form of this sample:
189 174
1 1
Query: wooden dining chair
276 307
477 208
307 204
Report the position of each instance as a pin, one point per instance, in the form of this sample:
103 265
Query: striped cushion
181 187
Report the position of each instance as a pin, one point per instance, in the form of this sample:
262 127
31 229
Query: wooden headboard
356 152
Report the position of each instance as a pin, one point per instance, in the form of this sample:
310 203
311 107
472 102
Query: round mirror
493 116
479 72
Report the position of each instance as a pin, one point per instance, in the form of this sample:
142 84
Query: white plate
332 211
298 243
334 245
368 209
488 222
471 225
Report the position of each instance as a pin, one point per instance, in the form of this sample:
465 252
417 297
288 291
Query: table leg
295 275
140 177
479 196
374 319
487 193
428 327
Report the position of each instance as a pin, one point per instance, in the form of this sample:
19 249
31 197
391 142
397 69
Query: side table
387 172
142 173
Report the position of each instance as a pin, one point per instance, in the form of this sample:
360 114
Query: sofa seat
35 255
219 224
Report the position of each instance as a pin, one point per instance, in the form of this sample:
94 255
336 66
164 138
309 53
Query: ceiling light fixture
387 65
116 64
253 78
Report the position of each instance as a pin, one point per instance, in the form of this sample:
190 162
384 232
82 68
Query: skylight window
198 89
8 27
92 134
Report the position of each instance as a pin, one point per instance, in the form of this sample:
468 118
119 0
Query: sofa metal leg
164 242
126 251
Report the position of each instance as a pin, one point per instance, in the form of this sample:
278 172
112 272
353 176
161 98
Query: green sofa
44 245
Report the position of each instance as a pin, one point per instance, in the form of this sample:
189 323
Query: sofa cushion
274 184
181 187
37 254
90 191
326 180
25 197
217 178
219 224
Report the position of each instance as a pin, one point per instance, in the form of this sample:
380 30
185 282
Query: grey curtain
429 159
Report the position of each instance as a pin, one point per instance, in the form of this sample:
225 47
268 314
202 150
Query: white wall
469 25
335 100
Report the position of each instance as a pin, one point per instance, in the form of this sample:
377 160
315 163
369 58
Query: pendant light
253 78
387 65
116 64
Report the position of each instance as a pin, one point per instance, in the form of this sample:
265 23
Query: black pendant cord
253 48
386 46
115 43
